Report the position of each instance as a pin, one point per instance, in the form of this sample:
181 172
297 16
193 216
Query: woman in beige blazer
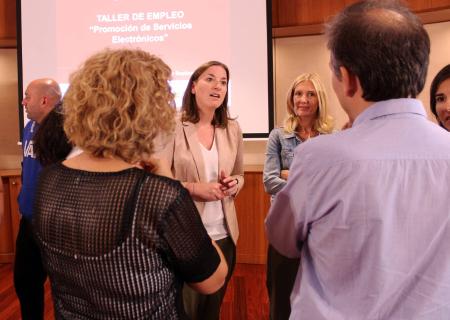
206 156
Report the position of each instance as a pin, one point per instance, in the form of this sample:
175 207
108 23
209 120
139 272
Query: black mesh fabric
118 245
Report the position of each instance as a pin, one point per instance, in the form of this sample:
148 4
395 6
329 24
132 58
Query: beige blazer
186 161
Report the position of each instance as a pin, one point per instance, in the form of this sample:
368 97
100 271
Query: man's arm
287 219
281 226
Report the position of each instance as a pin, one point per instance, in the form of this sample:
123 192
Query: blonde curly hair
324 123
118 102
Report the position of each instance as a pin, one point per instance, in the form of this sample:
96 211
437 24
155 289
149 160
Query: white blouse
213 217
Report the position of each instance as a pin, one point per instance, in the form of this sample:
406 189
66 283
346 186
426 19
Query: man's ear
349 81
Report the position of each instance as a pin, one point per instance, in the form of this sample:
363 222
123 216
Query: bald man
41 96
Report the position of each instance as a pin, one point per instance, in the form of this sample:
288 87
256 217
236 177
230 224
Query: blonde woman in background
308 117
119 242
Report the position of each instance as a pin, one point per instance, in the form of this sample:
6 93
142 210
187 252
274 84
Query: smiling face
305 100
443 103
210 88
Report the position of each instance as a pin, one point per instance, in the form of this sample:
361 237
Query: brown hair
189 108
440 77
384 44
50 141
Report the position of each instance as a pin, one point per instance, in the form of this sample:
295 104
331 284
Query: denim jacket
279 156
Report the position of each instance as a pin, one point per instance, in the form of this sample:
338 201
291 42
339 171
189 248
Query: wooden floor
246 297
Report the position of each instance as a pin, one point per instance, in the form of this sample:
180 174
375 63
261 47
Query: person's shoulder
164 190
280 133
179 119
436 129
51 171
329 148
434 136
337 137
277 132
181 124
233 124
163 182
232 128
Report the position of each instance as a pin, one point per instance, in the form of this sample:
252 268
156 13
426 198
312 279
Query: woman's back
119 245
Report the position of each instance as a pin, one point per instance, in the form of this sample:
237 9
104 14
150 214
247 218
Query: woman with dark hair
119 242
440 97
206 156
50 142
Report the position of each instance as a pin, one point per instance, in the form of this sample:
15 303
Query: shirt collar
390 107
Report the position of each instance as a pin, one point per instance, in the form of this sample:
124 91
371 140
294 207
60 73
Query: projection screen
57 36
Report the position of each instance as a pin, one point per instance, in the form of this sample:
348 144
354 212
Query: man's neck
356 107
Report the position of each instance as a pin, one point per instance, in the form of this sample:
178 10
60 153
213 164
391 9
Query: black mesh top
119 245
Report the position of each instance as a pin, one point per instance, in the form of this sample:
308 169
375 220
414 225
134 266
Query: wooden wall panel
9 224
439 4
420 5
8 23
286 12
6 234
275 12
428 5
303 17
306 12
252 205
15 184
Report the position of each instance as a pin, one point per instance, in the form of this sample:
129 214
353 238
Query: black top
119 245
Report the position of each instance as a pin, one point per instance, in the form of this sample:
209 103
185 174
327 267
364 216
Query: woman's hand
284 174
229 184
205 191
